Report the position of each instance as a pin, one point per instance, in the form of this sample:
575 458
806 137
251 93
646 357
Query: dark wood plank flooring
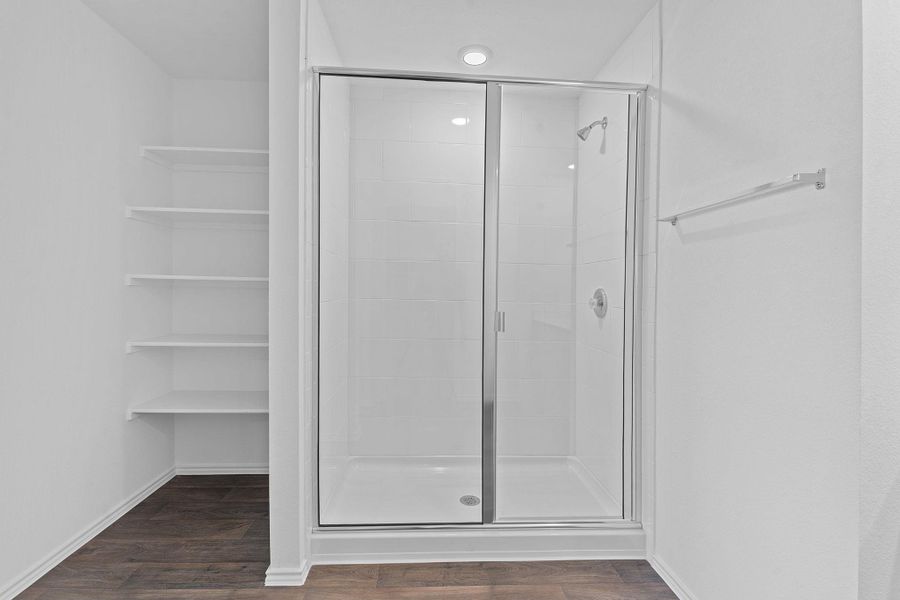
207 538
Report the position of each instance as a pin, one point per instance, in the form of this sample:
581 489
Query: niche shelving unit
208 159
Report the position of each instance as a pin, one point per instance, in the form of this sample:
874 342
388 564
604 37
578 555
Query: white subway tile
449 93
381 200
448 202
422 319
380 120
547 206
549 122
421 161
535 397
535 360
425 241
417 358
536 245
333 277
599 371
369 89
606 334
408 397
539 322
512 111
366 158
533 437
537 166
408 280
535 283
434 122
443 436
386 436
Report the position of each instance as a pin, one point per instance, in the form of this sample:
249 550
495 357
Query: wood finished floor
207 537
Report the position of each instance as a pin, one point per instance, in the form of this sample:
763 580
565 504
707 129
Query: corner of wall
63 242
287 381
675 584
639 59
299 37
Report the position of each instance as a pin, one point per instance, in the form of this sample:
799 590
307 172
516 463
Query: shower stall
475 245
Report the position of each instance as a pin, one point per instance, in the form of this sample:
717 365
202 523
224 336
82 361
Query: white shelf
199 340
170 215
190 158
204 403
138 278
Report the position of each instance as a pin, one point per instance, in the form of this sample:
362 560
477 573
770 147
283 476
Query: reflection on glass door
401 168
561 363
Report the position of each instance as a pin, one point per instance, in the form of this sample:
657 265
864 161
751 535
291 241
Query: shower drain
470 500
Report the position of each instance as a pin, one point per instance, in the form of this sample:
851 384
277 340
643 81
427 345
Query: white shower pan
417 490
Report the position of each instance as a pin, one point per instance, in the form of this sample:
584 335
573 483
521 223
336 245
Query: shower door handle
500 320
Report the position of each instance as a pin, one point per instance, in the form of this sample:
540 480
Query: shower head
584 132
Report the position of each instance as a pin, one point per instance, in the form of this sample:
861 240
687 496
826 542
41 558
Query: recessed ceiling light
460 121
475 56
572 167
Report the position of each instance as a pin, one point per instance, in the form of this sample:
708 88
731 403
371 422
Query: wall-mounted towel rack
817 179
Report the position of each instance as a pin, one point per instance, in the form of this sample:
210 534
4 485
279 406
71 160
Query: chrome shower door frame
631 514
490 314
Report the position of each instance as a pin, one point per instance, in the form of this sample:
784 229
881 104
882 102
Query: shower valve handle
599 303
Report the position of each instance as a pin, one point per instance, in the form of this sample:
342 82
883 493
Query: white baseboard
287 577
66 549
222 469
670 578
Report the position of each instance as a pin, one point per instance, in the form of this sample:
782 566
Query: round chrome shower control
599 303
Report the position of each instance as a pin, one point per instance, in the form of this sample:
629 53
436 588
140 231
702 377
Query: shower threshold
406 490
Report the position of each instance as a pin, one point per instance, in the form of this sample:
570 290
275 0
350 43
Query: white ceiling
566 39
228 39
195 39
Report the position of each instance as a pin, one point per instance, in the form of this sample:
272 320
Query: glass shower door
401 170
563 303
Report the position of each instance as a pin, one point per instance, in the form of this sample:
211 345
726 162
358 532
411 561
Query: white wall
758 314
879 573
298 38
76 102
288 526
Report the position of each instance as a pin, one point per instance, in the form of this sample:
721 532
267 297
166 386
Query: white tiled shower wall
416 271
334 306
402 288
536 366
600 263
416 268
